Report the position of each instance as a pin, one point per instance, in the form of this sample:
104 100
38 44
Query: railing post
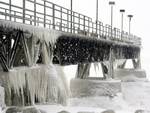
114 33
84 23
71 22
99 33
100 29
78 21
49 24
5 14
35 12
61 19
103 32
44 13
30 20
10 10
96 25
88 26
14 16
53 16
23 11
122 36
67 20
92 27
38 21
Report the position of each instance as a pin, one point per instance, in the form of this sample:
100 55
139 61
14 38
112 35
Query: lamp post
111 60
122 12
130 17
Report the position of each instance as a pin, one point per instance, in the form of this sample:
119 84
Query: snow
134 95
77 109
87 87
137 94
41 33
58 108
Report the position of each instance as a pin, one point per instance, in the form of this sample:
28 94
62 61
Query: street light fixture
122 12
130 17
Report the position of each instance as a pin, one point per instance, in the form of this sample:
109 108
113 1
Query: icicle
41 33
52 91
45 83
45 54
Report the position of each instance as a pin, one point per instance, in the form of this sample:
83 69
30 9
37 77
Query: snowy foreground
59 109
71 109
77 109
135 96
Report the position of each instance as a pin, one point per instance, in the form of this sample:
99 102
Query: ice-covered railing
49 15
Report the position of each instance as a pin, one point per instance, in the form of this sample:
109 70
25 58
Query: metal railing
49 15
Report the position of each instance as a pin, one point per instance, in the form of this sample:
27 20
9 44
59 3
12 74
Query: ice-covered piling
39 84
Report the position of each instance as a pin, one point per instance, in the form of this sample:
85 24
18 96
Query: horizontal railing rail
49 15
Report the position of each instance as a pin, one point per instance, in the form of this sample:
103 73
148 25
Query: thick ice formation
42 83
42 33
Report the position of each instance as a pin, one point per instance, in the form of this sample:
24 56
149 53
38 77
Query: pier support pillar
137 63
111 65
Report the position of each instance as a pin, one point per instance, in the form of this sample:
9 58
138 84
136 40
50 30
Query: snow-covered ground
57 109
134 96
